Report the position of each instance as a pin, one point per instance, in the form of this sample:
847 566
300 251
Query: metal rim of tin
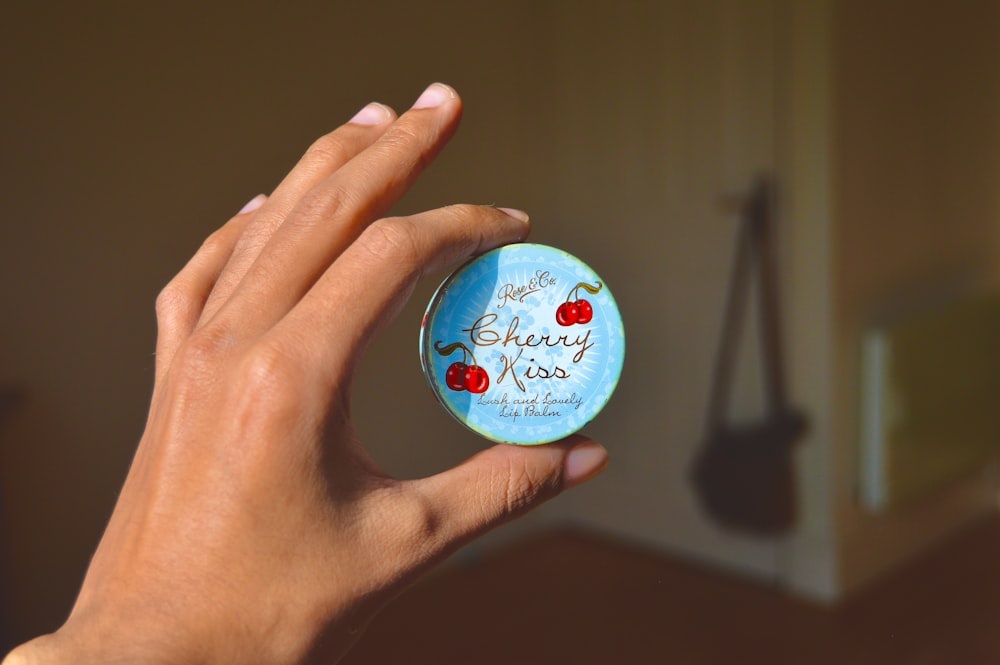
523 345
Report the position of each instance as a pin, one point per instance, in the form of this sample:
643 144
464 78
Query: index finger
331 215
365 288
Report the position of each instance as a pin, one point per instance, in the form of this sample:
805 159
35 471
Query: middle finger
323 157
330 216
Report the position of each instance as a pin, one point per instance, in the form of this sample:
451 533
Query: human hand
253 527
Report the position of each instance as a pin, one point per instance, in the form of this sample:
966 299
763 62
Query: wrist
101 641
80 648
39 651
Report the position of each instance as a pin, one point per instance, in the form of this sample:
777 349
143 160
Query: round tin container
523 344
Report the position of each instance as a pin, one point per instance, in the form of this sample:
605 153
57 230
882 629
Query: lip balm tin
523 344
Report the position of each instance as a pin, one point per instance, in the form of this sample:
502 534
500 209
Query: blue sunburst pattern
546 380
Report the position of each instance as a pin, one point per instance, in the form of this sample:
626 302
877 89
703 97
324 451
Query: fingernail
253 204
583 463
515 213
435 95
373 114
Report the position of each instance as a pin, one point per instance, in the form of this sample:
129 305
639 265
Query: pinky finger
179 304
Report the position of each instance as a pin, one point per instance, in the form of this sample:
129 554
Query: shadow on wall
744 474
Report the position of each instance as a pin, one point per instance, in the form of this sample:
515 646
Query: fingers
180 304
502 483
324 157
372 279
331 215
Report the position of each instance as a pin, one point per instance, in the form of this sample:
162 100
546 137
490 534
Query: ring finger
323 158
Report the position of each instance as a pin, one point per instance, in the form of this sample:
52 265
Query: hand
252 526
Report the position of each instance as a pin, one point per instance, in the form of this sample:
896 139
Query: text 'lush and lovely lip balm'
523 344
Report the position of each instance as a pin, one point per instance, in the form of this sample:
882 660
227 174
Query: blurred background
631 132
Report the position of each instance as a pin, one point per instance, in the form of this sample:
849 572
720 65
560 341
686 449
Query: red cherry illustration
455 376
476 379
577 311
567 314
460 376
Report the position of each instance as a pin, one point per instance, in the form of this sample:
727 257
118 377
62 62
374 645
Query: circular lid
523 344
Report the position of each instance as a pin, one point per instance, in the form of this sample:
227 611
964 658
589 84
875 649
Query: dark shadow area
10 398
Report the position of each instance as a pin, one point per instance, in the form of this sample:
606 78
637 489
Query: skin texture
253 527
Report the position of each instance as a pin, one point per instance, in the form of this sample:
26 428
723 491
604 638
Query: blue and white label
523 345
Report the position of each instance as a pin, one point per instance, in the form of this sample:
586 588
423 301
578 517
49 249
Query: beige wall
917 217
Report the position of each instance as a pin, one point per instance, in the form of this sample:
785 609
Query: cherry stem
591 289
451 348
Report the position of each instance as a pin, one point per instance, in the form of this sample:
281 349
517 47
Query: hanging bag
743 474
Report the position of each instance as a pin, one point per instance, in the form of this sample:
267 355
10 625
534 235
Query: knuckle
269 373
393 239
419 518
459 212
327 149
402 135
262 396
318 206
407 144
181 295
468 226
408 524
523 486
204 350
214 243
173 302
198 362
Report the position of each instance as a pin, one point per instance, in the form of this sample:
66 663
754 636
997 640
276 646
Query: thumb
506 481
